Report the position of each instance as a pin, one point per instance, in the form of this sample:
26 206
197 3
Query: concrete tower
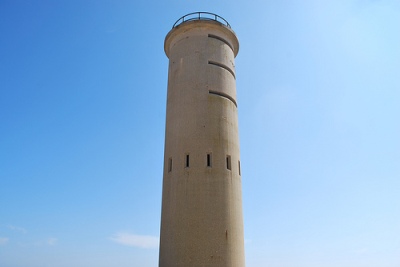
201 220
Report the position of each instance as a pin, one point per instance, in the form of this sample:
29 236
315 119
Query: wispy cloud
51 241
3 240
140 241
17 229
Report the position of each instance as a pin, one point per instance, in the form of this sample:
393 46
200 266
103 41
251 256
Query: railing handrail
201 16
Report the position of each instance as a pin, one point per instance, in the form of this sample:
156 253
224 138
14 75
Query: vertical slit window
169 164
187 161
228 162
208 160
239 167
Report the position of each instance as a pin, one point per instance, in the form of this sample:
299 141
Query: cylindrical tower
201 220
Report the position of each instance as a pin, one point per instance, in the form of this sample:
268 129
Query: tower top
201 23
201 16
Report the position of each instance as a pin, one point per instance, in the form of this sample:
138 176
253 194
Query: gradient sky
82 115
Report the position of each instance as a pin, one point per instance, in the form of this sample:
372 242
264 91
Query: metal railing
201 16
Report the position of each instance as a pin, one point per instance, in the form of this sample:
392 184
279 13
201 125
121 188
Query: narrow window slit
170 165
187 161
222 66
228 162
220 39
212 92
208 160
239 167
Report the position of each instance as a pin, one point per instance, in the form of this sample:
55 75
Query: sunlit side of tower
201 220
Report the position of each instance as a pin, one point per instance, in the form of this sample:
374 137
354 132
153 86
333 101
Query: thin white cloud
17 229
140 241
51 241
3 240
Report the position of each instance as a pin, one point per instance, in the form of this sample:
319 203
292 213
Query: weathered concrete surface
201 221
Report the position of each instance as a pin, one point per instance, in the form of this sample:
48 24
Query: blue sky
82 111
